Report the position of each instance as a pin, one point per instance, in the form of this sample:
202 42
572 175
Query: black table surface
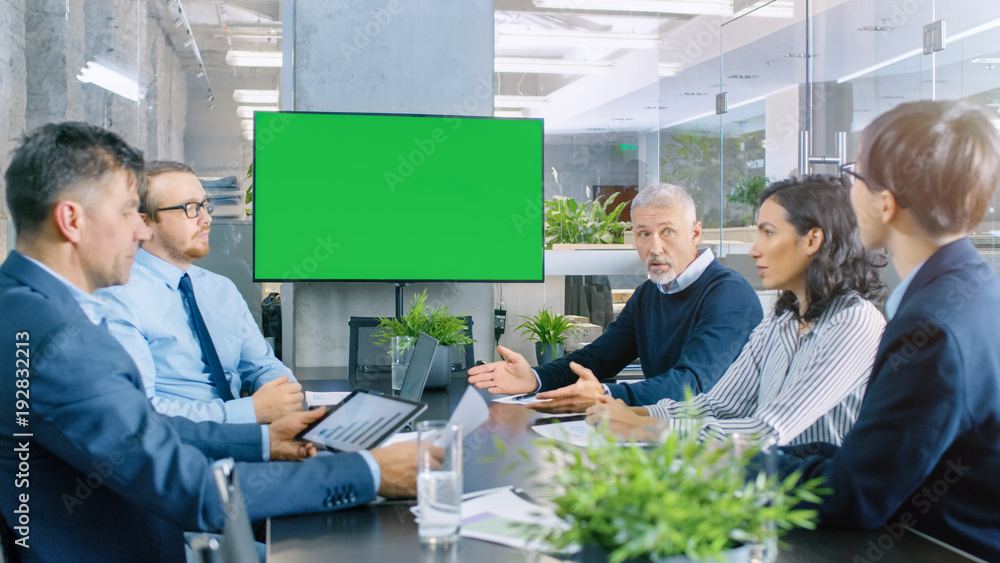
386 532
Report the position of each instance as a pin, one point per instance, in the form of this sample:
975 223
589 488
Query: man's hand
625 421
509 377
572 398
284 446
398 465
277 398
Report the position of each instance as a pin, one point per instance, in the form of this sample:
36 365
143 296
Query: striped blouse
796 388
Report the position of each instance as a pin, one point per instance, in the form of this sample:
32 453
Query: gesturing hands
572 398
509 377
625 421
284 446
277 398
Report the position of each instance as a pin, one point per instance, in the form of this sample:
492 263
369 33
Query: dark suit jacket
106 477
925 451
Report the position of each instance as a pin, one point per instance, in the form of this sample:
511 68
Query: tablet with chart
361 421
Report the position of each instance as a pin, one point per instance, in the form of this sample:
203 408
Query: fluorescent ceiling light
879 66
246 112
246 124
550 66
248 134
669 69
112 79
254 58
567 38
514 102
778 9
508 113
255 96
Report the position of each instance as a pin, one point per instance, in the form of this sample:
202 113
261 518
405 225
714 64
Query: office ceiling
848 36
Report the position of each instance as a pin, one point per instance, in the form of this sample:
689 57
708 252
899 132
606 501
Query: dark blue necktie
211 357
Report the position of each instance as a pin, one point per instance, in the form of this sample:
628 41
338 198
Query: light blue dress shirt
892 303
690 274
149 318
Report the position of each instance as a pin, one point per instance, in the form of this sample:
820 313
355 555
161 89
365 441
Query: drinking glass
401 348
439 486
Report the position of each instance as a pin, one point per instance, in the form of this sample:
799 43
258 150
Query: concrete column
387 56
13 98
116 32
166 97
53 56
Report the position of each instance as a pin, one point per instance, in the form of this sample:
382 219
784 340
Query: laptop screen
419 369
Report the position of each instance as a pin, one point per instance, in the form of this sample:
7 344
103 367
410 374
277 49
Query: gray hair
666 195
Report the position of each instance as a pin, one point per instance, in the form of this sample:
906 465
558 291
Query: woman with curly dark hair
802 375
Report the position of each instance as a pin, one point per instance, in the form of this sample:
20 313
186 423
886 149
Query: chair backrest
369 365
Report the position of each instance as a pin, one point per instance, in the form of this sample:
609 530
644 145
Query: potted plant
438 322
549 332
681 497
747 192
567 221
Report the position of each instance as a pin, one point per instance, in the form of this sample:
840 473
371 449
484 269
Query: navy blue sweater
683 340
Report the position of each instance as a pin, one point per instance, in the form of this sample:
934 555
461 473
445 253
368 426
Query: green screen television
400 198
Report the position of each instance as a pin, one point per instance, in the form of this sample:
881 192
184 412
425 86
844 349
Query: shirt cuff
373 466
537 379
266 441
240 411
607 390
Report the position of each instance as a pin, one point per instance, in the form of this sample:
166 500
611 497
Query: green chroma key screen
397 198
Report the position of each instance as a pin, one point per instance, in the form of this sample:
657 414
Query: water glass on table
400 348
439 486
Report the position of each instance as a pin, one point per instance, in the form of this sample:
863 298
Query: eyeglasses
193 209
847 174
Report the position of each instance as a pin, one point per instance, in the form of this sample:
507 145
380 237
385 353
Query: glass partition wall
722 104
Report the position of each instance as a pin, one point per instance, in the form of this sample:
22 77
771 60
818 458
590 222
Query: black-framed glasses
847 174
193 208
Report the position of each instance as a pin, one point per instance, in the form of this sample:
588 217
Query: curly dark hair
842 264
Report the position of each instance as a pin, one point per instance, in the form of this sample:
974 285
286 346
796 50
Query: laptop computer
419 368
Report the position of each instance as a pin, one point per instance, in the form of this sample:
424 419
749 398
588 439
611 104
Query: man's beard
663 277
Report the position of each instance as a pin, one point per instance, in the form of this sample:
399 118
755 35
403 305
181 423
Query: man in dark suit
925 451
91 471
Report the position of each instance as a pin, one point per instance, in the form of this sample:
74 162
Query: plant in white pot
448 329
679 500
549 333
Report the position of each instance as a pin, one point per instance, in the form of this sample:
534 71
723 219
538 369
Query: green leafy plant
437 322
547 328
747 192
679 497
694 160
568 221
249 193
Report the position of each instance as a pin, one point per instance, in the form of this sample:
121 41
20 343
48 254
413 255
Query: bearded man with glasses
188 330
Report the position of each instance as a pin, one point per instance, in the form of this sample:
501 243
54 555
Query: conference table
385 532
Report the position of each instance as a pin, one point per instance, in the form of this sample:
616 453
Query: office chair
237 544
368 363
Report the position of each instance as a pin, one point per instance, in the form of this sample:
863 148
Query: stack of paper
502 516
